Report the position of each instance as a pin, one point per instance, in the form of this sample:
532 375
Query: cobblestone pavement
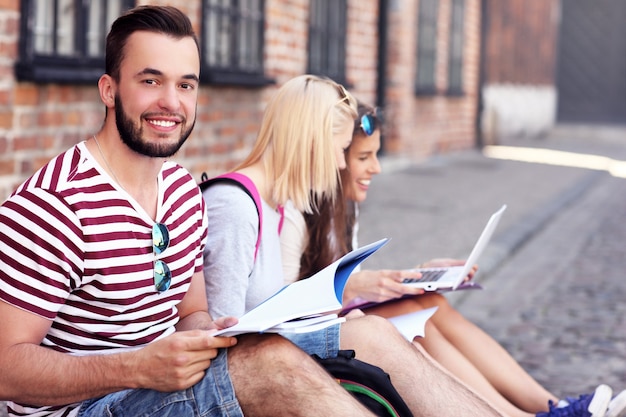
554 271
558 303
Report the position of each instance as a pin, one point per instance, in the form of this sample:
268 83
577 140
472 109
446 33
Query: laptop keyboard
427 276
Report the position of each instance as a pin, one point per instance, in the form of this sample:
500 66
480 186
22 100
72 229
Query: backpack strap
281 212
248 186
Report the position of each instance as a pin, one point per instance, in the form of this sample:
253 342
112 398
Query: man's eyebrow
192 77
153 71
149 71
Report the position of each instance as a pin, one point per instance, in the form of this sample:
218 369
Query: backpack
367 383
248 186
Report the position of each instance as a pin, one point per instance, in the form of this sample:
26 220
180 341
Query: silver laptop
450 278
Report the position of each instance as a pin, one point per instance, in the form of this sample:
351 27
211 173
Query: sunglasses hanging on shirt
160 242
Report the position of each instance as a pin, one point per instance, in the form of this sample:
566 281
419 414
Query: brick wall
9 23
362 52
420 126
39 121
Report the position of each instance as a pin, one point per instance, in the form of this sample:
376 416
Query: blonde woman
298 154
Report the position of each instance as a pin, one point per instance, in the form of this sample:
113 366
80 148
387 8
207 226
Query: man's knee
267 350
369 323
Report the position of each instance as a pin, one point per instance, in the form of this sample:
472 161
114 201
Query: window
232 42
426 47
63 40
327 39
455 51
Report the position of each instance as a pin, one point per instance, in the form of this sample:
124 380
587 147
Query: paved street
554 273
558 303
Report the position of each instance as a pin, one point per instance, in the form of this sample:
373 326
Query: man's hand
178 361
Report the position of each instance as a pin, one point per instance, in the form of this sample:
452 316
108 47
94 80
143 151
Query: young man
102 303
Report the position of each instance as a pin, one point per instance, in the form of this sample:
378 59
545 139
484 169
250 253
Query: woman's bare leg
441 350
451 359
427 388
488 356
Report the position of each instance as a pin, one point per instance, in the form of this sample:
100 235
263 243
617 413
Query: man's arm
35 375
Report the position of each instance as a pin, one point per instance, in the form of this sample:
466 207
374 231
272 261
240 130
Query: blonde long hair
295 141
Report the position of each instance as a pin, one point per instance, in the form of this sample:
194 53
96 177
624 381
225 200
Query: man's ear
106 86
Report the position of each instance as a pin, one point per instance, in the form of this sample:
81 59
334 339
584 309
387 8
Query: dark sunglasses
368 124
160 242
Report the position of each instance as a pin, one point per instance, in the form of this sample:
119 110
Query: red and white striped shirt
77 250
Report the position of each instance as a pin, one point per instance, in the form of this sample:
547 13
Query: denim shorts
213 396
324 343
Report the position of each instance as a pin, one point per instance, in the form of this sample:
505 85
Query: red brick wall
362 49
423 125
39 121
9 23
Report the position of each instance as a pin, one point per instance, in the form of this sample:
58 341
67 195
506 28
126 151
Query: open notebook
450 278
306 305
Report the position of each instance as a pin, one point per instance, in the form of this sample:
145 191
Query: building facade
551 63
519 59
418 60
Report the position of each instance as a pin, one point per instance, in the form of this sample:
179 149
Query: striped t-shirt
77 250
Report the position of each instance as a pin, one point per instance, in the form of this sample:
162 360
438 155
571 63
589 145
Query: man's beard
132 136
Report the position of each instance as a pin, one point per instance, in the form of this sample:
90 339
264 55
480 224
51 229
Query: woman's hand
386 284
445 262
381 285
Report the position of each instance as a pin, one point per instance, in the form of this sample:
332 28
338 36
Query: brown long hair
331 225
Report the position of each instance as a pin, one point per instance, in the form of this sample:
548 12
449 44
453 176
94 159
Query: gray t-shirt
235 282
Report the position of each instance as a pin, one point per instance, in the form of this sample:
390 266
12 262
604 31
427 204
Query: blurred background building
448 74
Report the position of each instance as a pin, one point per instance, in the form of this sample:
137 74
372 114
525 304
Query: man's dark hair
160 19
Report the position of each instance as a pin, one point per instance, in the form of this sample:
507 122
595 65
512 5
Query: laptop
449 278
